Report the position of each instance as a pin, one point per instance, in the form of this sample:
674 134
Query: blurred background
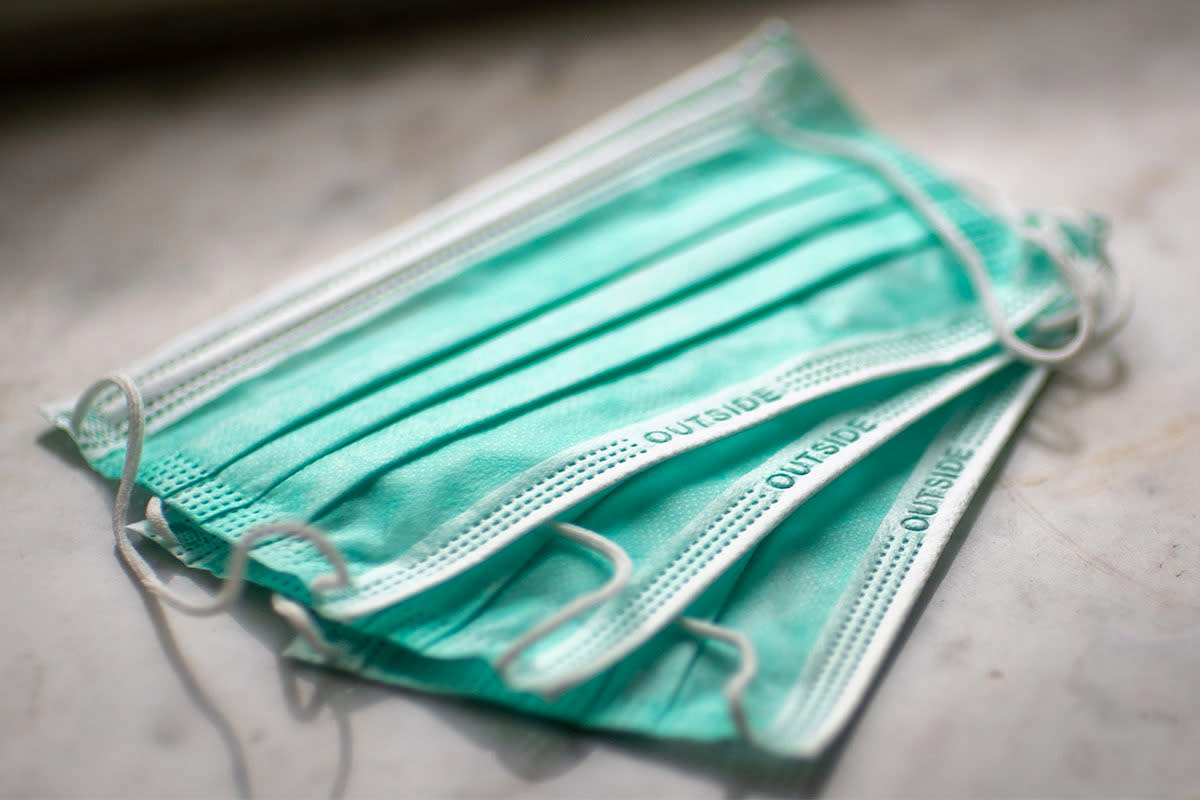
42 39
162 160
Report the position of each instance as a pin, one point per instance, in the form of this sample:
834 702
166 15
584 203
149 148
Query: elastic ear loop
622 571
946 230
735 685
235 576
302 624
1115 295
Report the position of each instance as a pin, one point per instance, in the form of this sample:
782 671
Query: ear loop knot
235 574
968 256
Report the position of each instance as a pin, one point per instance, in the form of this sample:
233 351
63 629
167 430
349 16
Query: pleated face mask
649 309
780 651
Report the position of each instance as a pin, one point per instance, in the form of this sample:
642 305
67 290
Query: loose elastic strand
158 522
239 558
735 685
135 408
622 571
1106 286
296 615
302 624
235 575
963 249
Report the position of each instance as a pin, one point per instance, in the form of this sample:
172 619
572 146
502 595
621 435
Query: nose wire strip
235 574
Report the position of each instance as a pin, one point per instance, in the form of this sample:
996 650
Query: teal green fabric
484 610
684 282
788 596
697 269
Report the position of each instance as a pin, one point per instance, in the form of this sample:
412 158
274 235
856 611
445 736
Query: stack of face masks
661 430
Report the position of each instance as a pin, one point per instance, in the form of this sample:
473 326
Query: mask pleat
646 298
555 384
502 292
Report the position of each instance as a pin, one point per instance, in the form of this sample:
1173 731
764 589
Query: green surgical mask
782 649
724 265
680 545
510 601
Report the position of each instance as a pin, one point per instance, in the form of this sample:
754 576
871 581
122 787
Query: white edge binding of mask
709 89
796 733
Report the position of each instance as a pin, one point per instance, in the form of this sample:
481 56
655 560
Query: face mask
682 552
781 651
501 613
699 265
509 602
691 254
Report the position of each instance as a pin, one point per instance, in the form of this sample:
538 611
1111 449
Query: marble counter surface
1058 654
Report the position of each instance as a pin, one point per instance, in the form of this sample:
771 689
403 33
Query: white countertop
1059 652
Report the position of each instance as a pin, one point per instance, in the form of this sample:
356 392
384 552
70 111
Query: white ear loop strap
622 570
158 521
302 624
292 612
1108 290
235 575
735 685
946 230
